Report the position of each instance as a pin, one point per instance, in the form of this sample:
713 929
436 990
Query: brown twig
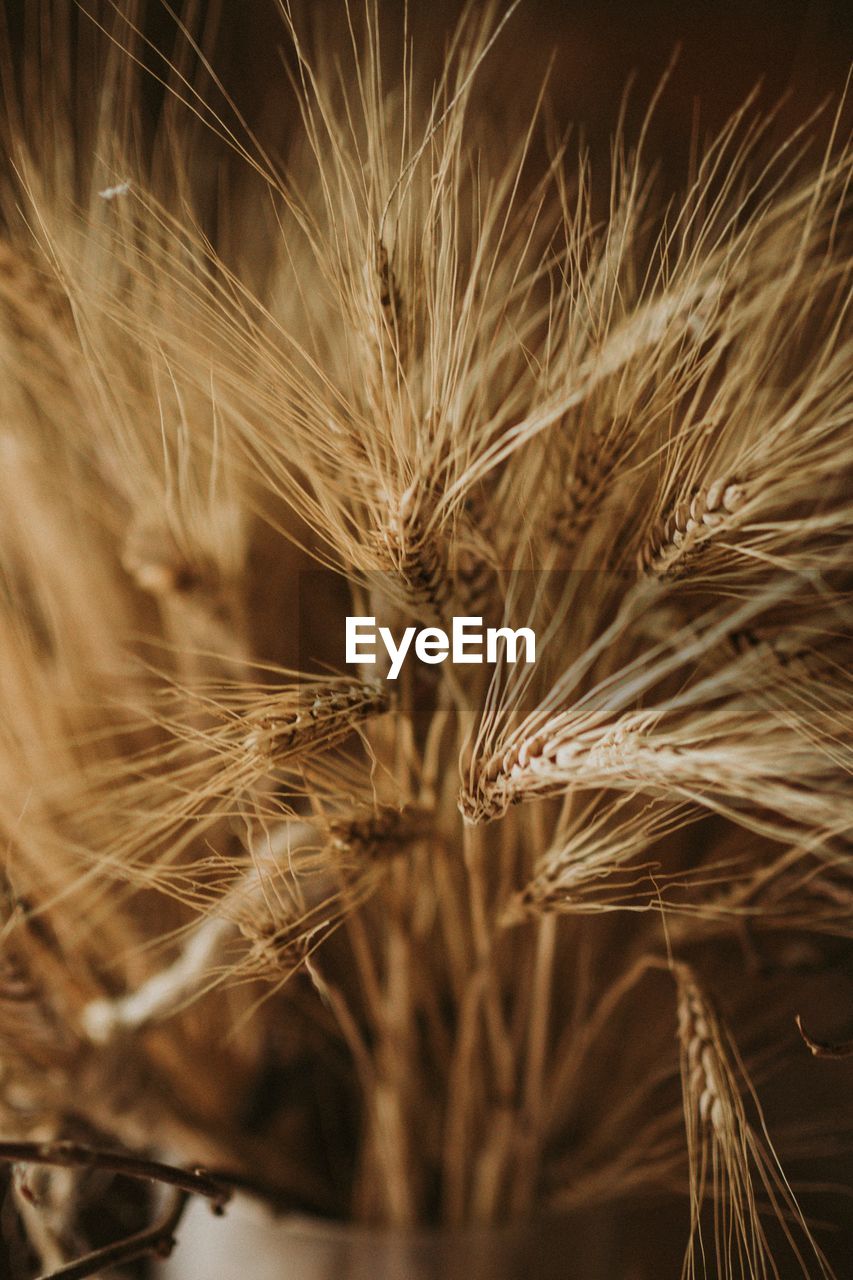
73 1155
156 1241
823 1049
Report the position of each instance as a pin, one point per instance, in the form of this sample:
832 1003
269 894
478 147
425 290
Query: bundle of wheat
478 942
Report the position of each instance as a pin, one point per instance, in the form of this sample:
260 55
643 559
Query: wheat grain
458 386
707 511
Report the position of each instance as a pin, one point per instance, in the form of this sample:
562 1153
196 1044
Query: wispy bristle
404 952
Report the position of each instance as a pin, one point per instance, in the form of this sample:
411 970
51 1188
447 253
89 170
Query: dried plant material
398 945
729 1159
708 509
823 1049
156 1241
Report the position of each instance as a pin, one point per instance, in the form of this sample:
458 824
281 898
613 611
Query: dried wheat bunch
482 942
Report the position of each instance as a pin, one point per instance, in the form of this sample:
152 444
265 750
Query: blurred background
799 52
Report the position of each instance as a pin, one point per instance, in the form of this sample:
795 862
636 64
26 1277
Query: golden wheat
434 383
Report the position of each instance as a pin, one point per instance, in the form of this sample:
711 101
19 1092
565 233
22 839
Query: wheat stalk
422 380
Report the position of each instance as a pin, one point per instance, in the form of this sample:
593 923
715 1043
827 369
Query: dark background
799 51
